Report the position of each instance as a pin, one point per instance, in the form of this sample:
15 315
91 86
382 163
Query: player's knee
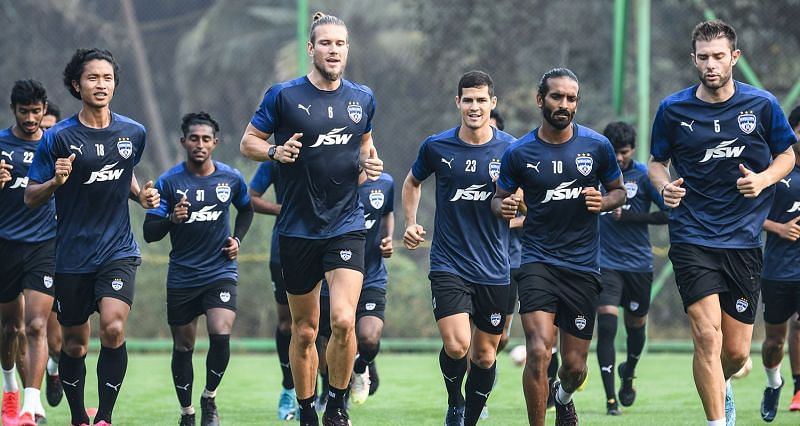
304 334
573 369
503 342
537 355
36 327
707 339
737 356
455 348
774 342
285 325
484 359
369 343
74 348
112 334
12 329
342 324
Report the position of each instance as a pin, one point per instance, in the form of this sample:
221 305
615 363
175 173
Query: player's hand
181 211
751 183
231 248
673 193
289 151
617 213
63 169
5 173
510 206
414 235
386 247
372 165
594 199
790 230
149 197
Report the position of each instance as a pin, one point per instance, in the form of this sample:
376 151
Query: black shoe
769 404
53 390
565 413
187 420
373 378
454 416
208 412
627 393
612 408
551 401
336 417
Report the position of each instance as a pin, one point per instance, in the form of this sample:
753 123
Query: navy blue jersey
625 246
196 258
94 226
468 239
17 222
558 229
266 175
706 143
321 197
782 257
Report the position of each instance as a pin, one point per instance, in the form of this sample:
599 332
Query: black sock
606 355
636 337
552 368
73 377
366 354
219 352
307 412
479 384
453 371
183 376
336 398
282 345
111 367
796 378
324 376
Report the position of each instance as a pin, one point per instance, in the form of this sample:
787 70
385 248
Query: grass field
412 393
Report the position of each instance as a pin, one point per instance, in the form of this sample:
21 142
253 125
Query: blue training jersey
196 258
321 197
782 257
17 222
558 229
468 239
706 143
94 225
625 246
515 247
266 175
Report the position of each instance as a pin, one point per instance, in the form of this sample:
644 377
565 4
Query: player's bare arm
263 206
148 196
614 197
38 193
254 146
751 184
788 231
387 230
5 173
412 192
670 190
369 160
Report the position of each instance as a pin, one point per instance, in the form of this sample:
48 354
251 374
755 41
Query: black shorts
26 266
734 274
77 295
278 283
781 300
486 304
371 303
305 261
511 304
186 304
568 293
631 290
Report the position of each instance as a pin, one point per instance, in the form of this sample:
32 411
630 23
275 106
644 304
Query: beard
330 76
549 117
722 81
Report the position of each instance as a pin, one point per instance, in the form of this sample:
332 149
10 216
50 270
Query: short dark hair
712 30
544 83
74 69
620 134
498 119
54 110
794 117
475 79
194 118
320 18
27 92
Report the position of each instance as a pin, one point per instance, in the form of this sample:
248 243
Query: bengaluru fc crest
631 188
494 169
354 111
223 192
125 147
747 121
376 199
584 163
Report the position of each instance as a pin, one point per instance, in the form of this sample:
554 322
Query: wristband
238 241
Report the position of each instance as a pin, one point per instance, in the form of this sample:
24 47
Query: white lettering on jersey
105 174
20 182
562 192
723 150
206 214
472 193
369 222
333 137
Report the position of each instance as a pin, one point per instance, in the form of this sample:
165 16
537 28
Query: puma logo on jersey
7 154
77 148
307 109
786 182
448 162
105 174
19 182
206 214
683 124
562 192
472 193
795 207
723 150
533 166
334 137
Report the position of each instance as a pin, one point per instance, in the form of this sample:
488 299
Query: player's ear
735 55
494 102
458 102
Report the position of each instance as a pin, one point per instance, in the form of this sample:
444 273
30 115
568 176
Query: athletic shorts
371 303
278 283
781 300
511 304
77 295
186 304
568 293
305 261
734 274
631 290
486 304
26 266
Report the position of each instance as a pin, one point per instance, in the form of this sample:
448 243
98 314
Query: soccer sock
73 377
282 345
479 384
366 354
10 380
324 376
606 356
336 398
52 366
111 367
774 377
720 422
219 353
307 412
31 396
183 376
796 379
552 369
563 397
453 371
636 337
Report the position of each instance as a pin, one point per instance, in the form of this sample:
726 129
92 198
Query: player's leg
38 306
509 308
540 337
794 356
13 326
219 304
323 336
607 314
636 300
779 307
303 351
53 385
287 401
488 303
369 327
345 288
184 331
705 318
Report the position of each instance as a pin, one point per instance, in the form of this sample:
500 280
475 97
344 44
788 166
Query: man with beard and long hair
322 126
559 166
729 143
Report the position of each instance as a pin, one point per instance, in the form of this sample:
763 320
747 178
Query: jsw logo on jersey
20 182
562 192
369 222
723 150
334 137
472 193
105 174
206 214
795 207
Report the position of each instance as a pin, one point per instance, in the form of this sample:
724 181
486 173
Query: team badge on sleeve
494 169
223 192
116 284
376 198
354 111
125 147
345 255
631 188
747 121
369 306
225 296
584 163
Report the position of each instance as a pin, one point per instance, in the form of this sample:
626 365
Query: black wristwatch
271 152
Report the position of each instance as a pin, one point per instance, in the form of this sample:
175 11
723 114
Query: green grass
412 393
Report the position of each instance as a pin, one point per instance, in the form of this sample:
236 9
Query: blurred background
178 56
